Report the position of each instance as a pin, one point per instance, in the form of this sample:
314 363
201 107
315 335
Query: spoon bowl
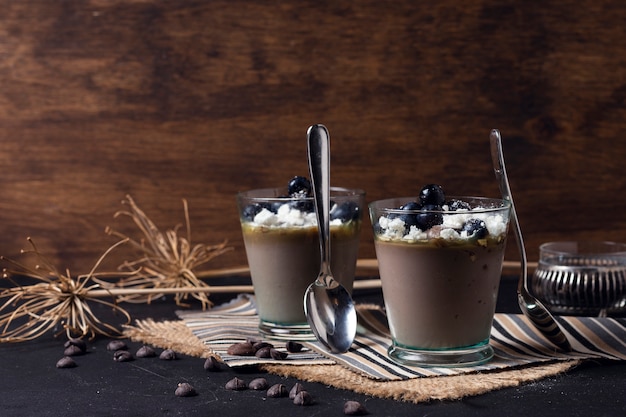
328 305
532 308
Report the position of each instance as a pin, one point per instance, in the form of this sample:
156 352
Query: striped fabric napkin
515 341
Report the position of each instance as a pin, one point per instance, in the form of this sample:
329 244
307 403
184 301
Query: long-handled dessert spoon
328 305
536 312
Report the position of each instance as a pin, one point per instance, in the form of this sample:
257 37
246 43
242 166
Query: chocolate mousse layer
440 296
285 261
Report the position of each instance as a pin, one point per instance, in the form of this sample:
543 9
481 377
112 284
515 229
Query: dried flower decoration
167 261
55 301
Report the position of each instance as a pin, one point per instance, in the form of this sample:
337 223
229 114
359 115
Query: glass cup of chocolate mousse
281 238
440 261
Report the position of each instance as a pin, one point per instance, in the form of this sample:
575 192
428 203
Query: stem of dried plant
167 260
55 301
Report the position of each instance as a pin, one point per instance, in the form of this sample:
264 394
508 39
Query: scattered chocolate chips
145 352
73 350
79 343
66 362
241 349
354 408
185 389
236 384
122 356
212 364
115 345
277 391
258 384
303 398
295 390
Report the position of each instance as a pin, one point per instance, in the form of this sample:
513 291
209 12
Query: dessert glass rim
490 205
584 248
280 194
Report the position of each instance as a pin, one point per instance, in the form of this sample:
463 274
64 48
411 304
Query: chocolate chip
277 354
185 389
167 355
236 384
80 343
241 349
258 384
122 356
354 408
66 362
303 398
277 391
261 345
264 352
115 345
145 352
294 347
73 350
212 364
295 390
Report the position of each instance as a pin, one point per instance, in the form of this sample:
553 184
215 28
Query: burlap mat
177 336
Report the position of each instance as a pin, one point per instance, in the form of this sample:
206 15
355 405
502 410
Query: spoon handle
318 141
530 306
500 171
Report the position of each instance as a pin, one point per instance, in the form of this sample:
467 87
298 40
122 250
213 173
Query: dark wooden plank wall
199 99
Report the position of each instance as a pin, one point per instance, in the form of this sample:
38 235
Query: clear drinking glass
582 278
440 272
282 246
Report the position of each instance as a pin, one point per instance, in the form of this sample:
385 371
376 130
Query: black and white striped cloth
515 341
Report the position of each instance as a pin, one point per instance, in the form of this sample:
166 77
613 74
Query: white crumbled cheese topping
450 229
288 216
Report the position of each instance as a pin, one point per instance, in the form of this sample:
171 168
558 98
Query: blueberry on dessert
454 205
429 217
409 219
251 210
345 212
475 228
432 194
299 187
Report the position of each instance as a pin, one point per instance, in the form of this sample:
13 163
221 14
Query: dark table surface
31 385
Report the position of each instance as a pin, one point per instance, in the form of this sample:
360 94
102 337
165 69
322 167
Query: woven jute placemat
177 336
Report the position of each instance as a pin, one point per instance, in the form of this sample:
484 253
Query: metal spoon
536 312
328 306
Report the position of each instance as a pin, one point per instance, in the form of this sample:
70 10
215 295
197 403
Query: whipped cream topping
453 221
288 216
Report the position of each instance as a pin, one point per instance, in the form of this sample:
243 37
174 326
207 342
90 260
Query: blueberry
409 220
251 210
411 205
303 204
418 217
427 218
346 211
299 186
475 228
454 205
432 194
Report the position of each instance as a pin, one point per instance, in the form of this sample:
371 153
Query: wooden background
166 100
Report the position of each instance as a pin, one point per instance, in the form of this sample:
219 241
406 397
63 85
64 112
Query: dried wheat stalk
167 261
56 301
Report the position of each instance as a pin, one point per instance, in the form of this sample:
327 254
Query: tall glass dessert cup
440 267
282 246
